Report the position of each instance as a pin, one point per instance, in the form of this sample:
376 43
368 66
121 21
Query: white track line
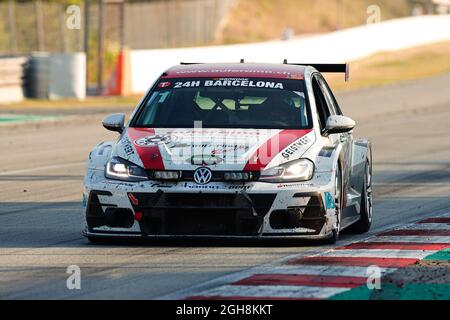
427 226
420 239
55 166
445 215
338 271
378 253
273 291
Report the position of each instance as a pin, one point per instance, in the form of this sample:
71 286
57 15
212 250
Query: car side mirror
114 122
339 124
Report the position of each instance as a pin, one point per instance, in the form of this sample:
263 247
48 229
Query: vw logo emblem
202 175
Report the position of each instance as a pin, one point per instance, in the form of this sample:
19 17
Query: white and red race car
231 150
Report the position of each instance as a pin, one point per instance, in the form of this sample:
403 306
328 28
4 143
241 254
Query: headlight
297 170
121 169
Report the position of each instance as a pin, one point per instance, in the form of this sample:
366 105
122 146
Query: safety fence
43 25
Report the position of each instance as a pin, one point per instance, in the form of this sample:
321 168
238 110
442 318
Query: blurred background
61 49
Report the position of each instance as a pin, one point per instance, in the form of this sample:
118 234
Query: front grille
217 176
202 214
194 222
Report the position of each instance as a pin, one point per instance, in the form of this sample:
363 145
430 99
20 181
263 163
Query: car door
346 140
323 111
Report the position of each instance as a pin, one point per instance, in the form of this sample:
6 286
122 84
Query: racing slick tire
365 222
339 198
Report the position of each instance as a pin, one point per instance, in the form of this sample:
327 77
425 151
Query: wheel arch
99 155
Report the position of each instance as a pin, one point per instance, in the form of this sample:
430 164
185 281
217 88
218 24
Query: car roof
238 70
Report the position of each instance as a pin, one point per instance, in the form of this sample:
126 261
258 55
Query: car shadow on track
208 242
42 224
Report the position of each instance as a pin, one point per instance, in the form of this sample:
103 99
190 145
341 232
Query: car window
331 100
322 109
328 101
226 103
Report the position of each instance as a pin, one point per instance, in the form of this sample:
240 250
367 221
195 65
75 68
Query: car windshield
226 103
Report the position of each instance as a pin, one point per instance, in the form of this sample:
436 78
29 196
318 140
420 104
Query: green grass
11 118
411 291
441 255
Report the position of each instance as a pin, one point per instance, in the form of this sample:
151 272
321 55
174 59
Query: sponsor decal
147 146
160 185
272 147
164 84
281 185
216 187
296 76
228 82
228 148
127 147
187 84
329 201
133 199
216 148
298 145
235 71
238 187
153 140
199 132
243 83
201 187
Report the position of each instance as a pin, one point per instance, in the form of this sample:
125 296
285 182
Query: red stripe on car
236 71
150 155
268 150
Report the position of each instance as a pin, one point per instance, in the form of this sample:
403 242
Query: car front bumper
217 210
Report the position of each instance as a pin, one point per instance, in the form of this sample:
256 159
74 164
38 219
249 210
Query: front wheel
365 221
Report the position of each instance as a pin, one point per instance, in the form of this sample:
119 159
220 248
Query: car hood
219 149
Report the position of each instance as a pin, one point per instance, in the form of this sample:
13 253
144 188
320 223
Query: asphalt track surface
42 166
